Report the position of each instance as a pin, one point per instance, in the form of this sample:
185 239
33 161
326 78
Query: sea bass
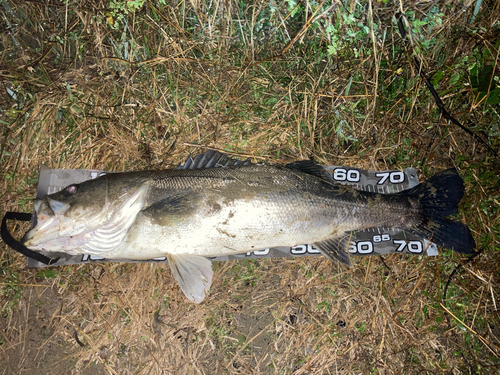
231 207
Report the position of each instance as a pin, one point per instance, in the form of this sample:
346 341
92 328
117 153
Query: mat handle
18 246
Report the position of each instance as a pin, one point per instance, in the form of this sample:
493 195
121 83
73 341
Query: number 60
341 174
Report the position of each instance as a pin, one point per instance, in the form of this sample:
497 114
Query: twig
433 91
455 270
75 336
424 159
300 34
481 338
384 263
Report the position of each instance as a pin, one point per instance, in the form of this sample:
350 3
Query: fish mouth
51 231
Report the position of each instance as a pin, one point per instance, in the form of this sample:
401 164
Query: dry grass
176 78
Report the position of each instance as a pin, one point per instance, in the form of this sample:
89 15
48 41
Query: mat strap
18 246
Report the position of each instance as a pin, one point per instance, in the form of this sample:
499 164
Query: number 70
396 177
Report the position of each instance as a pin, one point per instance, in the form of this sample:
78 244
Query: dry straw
87 86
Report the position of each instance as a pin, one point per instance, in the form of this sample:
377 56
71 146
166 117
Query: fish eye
71 189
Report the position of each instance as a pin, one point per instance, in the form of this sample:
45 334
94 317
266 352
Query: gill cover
113 232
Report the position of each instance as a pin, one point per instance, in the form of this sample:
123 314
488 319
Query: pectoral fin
193 273
174 208
336 249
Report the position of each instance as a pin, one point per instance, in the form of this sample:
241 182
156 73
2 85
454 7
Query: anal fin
193 273
336 249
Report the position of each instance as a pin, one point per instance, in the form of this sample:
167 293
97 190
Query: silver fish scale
194 178
253 176
257 207
273 186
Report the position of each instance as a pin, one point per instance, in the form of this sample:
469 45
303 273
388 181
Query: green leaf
436 78
482 81
332 50
494 97
331 29
48 274
454 79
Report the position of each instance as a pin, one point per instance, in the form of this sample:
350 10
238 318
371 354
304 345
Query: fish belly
242 226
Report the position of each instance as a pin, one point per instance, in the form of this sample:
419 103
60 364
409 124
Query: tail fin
439 197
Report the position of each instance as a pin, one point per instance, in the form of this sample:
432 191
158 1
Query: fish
222 206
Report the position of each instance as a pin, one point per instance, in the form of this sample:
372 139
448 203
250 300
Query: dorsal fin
309 167
212 159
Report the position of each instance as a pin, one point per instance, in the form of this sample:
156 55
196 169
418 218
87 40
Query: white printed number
414 247
341 174
302 249
361 247
381 238
396 177
366 247
259 252
87 257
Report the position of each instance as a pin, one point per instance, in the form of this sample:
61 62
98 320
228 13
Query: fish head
89 217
